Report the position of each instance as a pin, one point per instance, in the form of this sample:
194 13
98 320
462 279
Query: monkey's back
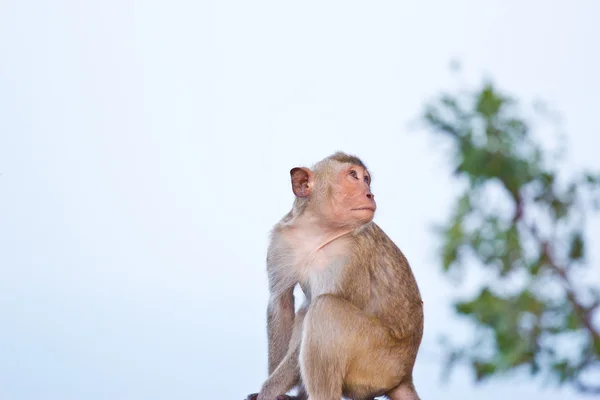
394 294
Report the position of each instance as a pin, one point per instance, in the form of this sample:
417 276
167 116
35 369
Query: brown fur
360 329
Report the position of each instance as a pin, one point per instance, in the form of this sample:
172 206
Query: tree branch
584 313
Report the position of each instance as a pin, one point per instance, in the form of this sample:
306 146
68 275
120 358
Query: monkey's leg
405 391
345 352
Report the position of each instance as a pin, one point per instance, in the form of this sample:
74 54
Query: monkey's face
351 201
339 193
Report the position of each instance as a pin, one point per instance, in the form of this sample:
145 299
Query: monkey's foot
254 396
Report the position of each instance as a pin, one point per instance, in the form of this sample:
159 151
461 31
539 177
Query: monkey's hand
254 396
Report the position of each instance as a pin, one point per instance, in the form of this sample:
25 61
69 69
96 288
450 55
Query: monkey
359 330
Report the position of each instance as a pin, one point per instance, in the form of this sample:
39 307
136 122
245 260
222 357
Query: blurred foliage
518 225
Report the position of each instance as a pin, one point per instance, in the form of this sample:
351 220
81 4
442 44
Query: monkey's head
337 190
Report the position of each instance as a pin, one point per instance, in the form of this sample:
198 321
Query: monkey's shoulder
372 238
392 278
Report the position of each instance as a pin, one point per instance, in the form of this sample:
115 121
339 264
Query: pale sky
145 150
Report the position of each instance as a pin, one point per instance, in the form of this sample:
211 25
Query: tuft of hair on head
345 158
325 166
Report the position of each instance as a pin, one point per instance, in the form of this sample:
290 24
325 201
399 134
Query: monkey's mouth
364 208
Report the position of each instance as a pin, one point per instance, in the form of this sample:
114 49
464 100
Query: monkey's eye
353 174
367 179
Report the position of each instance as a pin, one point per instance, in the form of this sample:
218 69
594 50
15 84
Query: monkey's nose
370 196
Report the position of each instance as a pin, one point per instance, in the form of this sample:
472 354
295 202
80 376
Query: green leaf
489 102
593 179
562 370
572 322
483 369
576 252
559 208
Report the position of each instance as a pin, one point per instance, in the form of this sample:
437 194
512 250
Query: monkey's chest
321 272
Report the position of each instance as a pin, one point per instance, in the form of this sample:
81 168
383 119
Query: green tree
518 225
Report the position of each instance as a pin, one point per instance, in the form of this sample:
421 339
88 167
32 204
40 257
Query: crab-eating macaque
359 330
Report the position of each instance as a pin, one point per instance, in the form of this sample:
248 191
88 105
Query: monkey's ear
300 178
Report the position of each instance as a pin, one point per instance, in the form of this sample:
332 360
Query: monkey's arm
280 320
287 373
